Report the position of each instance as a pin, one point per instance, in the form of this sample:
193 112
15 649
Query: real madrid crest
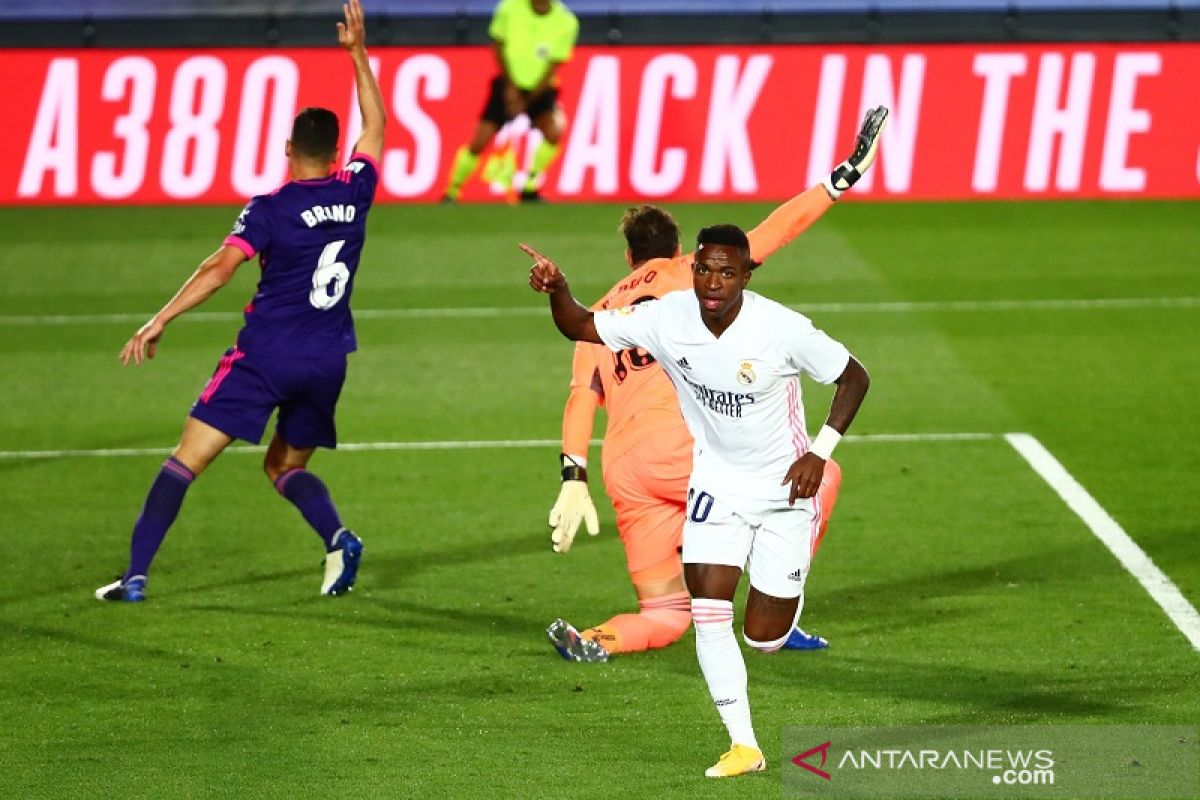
745 374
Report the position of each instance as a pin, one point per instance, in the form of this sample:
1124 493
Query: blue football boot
341 563
799 640
124 591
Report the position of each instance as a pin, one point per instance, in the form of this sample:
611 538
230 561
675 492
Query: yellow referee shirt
530 41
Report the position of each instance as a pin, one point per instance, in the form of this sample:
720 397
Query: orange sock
827 495
662 620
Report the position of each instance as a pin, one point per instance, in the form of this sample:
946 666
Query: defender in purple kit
291 353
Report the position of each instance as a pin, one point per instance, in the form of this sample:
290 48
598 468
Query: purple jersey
309 236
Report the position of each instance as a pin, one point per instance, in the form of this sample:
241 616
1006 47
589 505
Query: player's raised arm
352 35
793 217
805 474
213 273
574 321
866 145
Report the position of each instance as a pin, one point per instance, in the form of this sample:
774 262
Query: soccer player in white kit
735 358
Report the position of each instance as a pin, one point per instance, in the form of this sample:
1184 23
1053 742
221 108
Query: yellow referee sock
543 157
464 164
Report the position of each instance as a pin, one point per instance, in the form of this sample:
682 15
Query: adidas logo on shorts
796 576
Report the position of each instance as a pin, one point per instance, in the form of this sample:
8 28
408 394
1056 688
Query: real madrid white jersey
740 392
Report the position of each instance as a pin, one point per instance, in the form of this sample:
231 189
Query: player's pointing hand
544 276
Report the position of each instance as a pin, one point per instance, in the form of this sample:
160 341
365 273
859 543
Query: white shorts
774 546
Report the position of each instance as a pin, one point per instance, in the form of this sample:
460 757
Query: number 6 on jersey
329 278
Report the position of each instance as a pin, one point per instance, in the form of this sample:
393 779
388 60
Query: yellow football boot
740 759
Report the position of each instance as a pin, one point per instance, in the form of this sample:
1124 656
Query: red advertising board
691 123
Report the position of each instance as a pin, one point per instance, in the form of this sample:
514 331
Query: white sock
723 666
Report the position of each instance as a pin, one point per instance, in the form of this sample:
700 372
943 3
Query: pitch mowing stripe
1113 536
480 444
899 307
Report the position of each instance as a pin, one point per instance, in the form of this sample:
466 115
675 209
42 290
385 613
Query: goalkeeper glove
574 505
866 145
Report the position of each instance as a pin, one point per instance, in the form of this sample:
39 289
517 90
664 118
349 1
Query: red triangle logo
823 749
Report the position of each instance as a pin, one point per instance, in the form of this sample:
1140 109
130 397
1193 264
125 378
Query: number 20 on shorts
699 505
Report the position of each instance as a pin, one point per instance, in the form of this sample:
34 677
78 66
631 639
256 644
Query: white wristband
834 193
569 460
826 440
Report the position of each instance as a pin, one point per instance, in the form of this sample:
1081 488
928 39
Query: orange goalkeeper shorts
648 486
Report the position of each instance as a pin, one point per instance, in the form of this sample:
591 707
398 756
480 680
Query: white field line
495 444
1111 534
1110 303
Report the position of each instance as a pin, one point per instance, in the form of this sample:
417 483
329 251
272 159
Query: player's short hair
728 235
650 232
315 133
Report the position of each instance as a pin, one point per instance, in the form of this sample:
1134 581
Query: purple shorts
246 389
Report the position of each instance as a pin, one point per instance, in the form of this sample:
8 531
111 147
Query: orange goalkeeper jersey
637 394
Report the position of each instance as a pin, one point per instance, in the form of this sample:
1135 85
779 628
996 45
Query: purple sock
159 511
307 493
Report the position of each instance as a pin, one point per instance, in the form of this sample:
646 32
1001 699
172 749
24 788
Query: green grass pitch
954 585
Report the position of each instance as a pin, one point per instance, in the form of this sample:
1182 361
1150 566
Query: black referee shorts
494 112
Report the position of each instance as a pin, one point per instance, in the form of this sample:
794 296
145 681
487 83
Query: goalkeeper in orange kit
647 452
